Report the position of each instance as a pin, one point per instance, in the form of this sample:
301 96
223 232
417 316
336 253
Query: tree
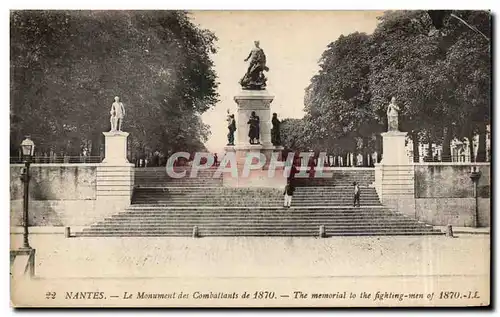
441 81
337 102
292 134
405 65
468 76
66 67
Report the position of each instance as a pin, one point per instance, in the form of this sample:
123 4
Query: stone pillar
394 149
394 175
260 102
115 175
115 151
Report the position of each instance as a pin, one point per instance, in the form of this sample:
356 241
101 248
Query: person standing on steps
357 194
288 193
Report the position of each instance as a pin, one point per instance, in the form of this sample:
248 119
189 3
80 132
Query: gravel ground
59 257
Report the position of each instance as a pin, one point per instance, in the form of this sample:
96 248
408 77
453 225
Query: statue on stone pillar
254 130
231 125
275 131
117 114
392 116
254 78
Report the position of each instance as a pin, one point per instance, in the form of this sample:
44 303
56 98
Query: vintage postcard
250 158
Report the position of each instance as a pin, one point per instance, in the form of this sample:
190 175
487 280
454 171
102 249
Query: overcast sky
293 42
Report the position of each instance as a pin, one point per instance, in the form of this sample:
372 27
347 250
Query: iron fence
59 159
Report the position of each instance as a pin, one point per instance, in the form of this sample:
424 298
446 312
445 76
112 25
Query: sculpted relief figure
254 130
117 114
231 125
254 78
392 116
275 131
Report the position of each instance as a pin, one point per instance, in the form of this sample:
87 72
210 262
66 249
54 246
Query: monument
394 174
116 139
231 126
394 149
115 176
275 131
253 122
254 128
254 78
392 116
117 114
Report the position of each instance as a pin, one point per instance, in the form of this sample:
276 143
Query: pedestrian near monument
357 194
288 193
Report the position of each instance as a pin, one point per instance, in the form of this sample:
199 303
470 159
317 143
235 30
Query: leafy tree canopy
67 66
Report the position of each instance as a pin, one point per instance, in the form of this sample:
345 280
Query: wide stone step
260 197
217 189
264 232
254 234
213 204
186 222
192 212
346 202
205 194
236 198
253 228
235 217
134 209
216 226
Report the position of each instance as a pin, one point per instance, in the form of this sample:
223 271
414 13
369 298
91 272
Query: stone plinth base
394 149
115 147
260 102
395 185
115 176
257 177
243 151
115 182
22 262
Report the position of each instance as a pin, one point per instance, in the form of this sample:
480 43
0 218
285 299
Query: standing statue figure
117 114
253 131
275 131
254 78
231 125
392 116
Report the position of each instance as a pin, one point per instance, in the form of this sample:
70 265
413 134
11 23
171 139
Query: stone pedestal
394 175
242 151
115 147
260 102
115 176
394 149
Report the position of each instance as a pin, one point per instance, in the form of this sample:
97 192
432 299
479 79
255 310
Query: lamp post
28 148
475 174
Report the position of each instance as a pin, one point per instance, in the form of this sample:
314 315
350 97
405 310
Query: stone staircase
341 177
163 206
143 221
207 197
158 177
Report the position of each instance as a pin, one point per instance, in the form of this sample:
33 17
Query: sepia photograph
244 158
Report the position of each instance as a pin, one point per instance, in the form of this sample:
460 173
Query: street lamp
475 174
27 148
